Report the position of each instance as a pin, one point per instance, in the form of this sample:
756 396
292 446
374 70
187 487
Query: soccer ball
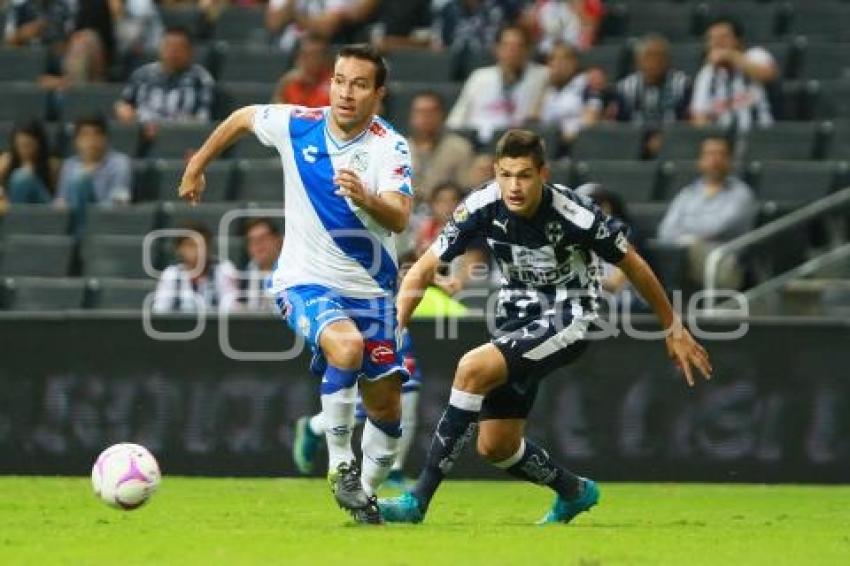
125 475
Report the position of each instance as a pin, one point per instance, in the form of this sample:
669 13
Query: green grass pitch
286 521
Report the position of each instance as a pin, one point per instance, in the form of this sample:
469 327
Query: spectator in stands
437 155
197 280
568 103
30 22
443 201
138 26
173 89
469 28
28 173
502 95
334 20
713 209
730 89
555 21
480 170
97 174
263 241
655 94
309 82
402 25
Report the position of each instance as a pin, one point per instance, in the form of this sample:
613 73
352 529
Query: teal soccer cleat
564 511
305 446
401 509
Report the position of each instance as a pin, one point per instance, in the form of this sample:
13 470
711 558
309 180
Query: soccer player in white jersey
347 193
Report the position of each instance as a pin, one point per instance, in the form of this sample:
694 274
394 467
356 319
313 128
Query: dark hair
93 121
261 221
366 52
34 129
726 140
433 94
194 226
522 143
513 27
737 28
448 186
180 30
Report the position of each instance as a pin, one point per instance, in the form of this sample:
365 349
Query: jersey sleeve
609 236
461 229
395 170
271 123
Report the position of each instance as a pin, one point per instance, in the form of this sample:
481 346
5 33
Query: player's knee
347 351
495 449
475 374
385 409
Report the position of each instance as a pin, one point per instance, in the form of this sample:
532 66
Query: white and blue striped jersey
329 240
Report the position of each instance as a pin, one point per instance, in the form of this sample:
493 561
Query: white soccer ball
125 475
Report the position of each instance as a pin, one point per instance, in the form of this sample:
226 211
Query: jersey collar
339 144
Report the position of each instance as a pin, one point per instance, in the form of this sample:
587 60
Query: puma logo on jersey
309 153
502 225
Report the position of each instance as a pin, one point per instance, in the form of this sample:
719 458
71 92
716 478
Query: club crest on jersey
461 213
308 113
360 161
380 352
554 232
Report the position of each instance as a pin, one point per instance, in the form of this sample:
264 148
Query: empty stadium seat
35 219
420 65
613 59
234 95
239 24
669 261
793 183
635 181
839 143
259 180
211 215
178 140
831 99
252 64
188 17
85 100
134 220
400 95
820 60
115 256
646 217
19 101
783 140
823 20
218 174
687 57
673 21
561 172
37 256
607 141
145 186
682 140
22 64
120 294
43 294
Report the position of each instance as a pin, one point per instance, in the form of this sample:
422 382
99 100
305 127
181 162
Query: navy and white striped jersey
549 262
158 96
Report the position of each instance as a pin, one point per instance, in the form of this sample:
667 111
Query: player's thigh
342 344
499 439
481 370
382 397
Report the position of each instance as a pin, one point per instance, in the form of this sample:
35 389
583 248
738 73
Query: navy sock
454 430
532 463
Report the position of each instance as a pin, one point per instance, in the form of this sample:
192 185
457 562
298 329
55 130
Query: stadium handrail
827 206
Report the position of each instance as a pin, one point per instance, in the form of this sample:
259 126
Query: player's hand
687 354
351 187
192 186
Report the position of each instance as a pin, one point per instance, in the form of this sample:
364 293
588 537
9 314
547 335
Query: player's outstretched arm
685 352
413 286
235 126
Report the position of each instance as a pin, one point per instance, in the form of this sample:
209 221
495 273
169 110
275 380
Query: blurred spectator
138 26
555 21
402 24
729 90
655 94
309 82
210 9
32 21
471 27
263 241
713 209
443 200
480 170
197 280
502 95
568 103
28 173
333 20
96 174
171 89
438 155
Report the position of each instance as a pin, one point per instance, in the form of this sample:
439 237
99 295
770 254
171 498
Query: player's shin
380 445
455 429
409 405
532 463
339 395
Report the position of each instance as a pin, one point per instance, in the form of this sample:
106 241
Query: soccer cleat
346 486
402 509
370 514
305 446
396 480
564 511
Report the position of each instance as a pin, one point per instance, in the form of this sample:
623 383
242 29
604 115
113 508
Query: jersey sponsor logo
308 113
309 153
554 232
380 351
539 266
377 129
502 225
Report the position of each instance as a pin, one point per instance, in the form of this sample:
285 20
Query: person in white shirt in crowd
730 89
264 241
555 21
503 95
289 20
569 103
197 280
715 208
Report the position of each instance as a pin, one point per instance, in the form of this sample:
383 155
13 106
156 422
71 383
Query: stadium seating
613 59
682 141
646 217
240 25
761 21
42 294
784 140
36 256
635 181
823 20
35 219
674 21
252 64
136 220
400 95
22 64
219 178
676 175
175 214
420 65
119 294
19 101
114 256
178 140
824 60
793 183
839 144
259 180
607 141
89 99
831 98
687 57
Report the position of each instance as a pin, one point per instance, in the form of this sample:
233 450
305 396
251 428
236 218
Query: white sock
379 452
338 417
317 424
409 405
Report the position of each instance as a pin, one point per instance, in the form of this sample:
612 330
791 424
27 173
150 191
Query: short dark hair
97 121
725 140
737 28
180 30
261 221
433 94
522 143
193 226
449 186
366 52
513 27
